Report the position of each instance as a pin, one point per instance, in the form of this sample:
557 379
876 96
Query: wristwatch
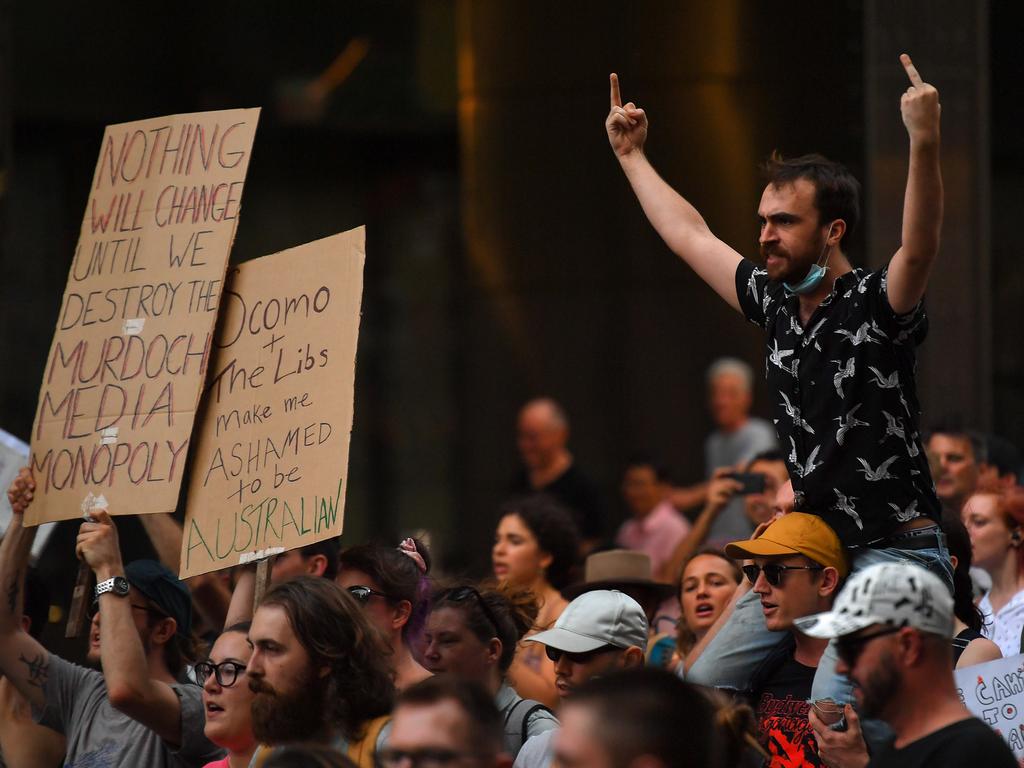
116 586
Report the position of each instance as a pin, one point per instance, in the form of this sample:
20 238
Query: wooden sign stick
262 582
79 601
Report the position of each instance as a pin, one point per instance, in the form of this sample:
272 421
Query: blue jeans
742 644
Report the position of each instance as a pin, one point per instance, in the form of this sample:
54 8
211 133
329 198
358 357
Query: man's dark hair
307 755
486 726
959 431
1003 455
650 711
335 632
397 575
836 191
959 542
661 472
772 454
329 549
553 527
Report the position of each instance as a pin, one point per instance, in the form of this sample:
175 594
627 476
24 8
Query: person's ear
163 631
316 565
829 581
837 230
632 657
400 614
954 561
546 560
494 649
1015 537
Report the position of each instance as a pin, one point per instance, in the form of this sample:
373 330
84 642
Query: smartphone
750 482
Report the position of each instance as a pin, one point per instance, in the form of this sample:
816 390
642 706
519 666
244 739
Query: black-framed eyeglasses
850 647
773 571
460 594
94 608
556 654
420 758
226 672
364 594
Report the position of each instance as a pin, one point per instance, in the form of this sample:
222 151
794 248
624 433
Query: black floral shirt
845 402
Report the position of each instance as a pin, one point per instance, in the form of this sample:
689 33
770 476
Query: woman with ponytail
391 584
970 646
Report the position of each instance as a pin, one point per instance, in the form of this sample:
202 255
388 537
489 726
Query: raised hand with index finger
919 105
626 124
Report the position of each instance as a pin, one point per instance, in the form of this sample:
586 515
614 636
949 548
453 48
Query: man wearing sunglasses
892 624
599 632
794 569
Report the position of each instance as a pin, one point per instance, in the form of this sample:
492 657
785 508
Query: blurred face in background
539 436
729 400
641 489
450 646
953 465
707 586
516 556
761 506
992 539
377 607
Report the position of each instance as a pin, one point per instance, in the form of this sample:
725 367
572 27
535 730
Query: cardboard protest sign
270 465
134 335
994 692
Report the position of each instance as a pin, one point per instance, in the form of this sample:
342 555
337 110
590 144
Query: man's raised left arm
922 203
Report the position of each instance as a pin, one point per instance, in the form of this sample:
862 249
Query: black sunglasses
363 594
555 654
226 672
460 594
849 648
773 571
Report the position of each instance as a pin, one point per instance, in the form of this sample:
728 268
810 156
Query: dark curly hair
336 633
397 575
553 527
492 611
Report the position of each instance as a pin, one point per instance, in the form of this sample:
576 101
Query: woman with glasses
392 586
227 698
473 634
535 548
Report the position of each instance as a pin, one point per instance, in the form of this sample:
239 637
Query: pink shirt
657 534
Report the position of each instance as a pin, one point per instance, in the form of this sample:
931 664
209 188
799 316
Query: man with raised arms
840 352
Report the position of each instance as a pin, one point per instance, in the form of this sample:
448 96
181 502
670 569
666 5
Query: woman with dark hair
970 646
473 634
227 698
391 585
535 548
994 521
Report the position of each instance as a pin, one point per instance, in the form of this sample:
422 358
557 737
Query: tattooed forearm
38 669
12 596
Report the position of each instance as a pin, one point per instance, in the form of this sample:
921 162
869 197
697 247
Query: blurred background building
506 256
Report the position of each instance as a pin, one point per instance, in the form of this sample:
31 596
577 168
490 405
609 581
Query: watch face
120 586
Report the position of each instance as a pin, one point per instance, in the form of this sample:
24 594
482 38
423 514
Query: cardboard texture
270 464
134 334
994 692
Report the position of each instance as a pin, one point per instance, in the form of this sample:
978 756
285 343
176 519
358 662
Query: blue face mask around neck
814 275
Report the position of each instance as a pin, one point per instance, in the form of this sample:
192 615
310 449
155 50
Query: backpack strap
517 720
362 751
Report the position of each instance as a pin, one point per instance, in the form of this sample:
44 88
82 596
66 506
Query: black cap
163 588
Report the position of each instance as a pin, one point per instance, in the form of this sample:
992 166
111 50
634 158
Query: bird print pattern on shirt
853 449
845 505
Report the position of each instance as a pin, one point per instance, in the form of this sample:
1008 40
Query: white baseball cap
595 619
895 594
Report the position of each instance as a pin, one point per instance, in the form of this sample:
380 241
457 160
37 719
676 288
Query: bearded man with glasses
793 567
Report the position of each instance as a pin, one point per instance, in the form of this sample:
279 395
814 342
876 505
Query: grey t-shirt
100 736
537 752
538 722
727 450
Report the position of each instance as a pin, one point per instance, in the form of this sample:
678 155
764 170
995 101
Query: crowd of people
805 603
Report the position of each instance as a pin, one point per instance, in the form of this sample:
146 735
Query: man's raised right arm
23 660
680 225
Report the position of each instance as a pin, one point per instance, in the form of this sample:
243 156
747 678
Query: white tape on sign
259 554
91 503
134 326
108 436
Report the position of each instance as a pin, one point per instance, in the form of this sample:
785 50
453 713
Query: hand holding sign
98 545
626 125
920 106
21 491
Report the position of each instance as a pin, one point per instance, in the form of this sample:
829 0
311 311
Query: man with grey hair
738 438
542 436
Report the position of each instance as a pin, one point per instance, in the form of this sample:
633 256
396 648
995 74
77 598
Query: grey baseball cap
893 594
595 619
